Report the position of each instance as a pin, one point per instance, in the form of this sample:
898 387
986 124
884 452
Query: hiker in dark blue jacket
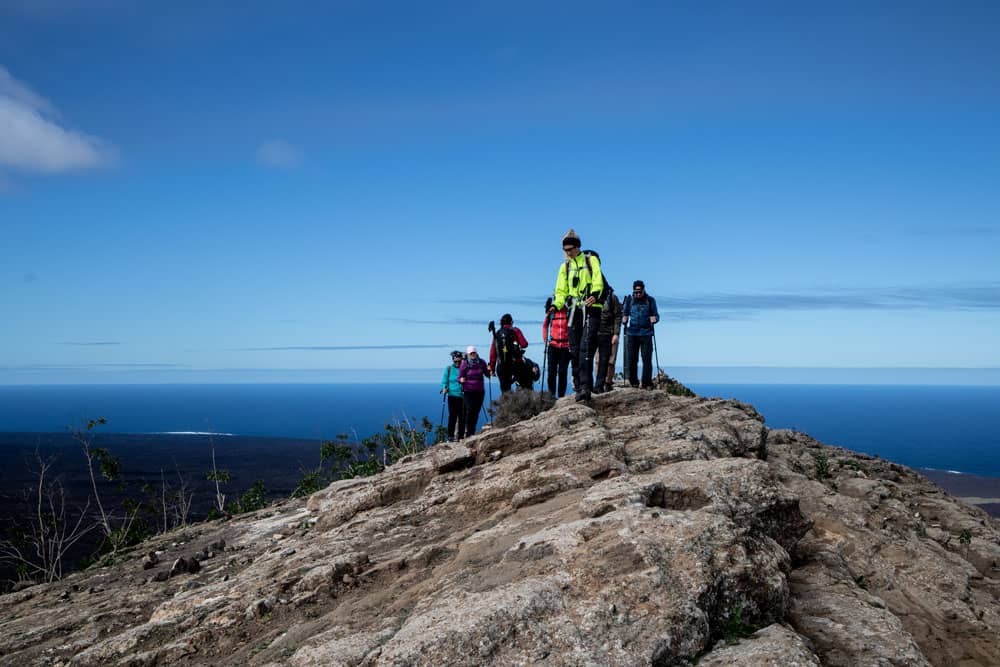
639 314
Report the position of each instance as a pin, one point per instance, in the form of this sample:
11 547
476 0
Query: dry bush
516 406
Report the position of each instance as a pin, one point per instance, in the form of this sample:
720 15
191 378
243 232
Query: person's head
471 352
638 288
456 357
506 319
571 244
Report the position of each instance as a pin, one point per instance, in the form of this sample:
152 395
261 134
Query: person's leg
473 404
632 367
647 361
563 362
603 357
575 331
453 416
456 417
609 382
505 374
553 370
590 334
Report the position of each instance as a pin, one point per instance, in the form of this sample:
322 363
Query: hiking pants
506 376
473 404
637 344
456 417
605 364
558 365
583 332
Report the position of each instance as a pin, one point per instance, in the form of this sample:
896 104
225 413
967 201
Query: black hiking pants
604 363
456 417
506 374
558 366
473 404
637 344
583 332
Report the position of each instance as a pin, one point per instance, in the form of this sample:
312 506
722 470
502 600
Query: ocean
942 427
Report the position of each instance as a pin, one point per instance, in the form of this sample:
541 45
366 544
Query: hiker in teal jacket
453 388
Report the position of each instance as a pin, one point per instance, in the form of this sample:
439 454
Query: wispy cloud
71 367
338 348
279 155
970 297
99 343
33 137
718 306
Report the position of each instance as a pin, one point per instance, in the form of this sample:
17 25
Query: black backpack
528 374
508 349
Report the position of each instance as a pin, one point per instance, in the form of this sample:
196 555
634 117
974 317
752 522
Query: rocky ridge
643 529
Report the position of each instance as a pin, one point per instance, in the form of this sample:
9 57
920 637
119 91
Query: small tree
119 530
220 477
37 550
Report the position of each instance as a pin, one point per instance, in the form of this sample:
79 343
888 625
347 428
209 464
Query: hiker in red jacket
556 335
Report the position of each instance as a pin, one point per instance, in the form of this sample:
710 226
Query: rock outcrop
643 529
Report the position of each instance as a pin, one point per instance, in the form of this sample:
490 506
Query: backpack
508 349
529 375
590 255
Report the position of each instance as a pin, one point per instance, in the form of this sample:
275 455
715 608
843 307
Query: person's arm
654 314
462 371
596 280
626 310
562 288
521 340
493 353
445 378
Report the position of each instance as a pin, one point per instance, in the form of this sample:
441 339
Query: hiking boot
634 386
583 397
598 390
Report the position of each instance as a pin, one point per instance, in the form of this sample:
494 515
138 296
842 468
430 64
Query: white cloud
278 154
32 138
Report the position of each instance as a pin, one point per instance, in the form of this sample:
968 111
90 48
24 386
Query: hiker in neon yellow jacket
579 284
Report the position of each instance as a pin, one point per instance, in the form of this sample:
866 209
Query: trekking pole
490 419
658 371
492 328
545 353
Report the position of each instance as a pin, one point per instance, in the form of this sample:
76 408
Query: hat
470 349
571 238
455 354
638 283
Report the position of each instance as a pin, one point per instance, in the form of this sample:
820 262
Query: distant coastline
98 375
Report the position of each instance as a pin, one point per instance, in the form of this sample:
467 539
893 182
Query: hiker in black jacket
607 342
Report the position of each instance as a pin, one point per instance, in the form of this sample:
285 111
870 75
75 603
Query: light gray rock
639 529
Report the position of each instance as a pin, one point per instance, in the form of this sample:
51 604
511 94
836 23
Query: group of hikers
582 322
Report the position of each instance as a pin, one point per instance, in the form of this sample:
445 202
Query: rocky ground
643 529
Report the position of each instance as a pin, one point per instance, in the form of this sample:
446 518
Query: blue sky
198 193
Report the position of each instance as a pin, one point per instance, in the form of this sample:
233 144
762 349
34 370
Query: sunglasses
568 248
